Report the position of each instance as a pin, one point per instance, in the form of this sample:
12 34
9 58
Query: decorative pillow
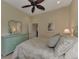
73 52
53 40
64 45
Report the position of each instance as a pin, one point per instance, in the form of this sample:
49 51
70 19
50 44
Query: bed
37 48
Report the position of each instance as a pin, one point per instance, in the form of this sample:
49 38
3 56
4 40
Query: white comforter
35 48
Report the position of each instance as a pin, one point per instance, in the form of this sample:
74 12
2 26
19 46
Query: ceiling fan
35 3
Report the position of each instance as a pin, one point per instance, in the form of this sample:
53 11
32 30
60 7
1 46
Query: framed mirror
14 27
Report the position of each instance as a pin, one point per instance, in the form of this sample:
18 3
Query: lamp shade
66 31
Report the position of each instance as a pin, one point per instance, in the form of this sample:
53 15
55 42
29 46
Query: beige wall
11 13
74 13
60 19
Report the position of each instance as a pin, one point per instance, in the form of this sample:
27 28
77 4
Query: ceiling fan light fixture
34 0
58 2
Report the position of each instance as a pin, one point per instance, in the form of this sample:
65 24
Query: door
35 29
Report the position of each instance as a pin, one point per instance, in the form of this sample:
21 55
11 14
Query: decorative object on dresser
10 42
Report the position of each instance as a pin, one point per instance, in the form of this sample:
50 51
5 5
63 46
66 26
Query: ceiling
48 4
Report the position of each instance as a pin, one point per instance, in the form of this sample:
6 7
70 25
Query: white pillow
53 40
64 45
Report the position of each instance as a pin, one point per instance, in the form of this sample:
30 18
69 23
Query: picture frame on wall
51 26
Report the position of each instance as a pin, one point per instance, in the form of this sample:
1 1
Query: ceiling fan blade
30 0
33 9
26 6
39 1
40 7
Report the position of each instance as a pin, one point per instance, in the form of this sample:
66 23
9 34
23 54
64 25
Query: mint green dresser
9 43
